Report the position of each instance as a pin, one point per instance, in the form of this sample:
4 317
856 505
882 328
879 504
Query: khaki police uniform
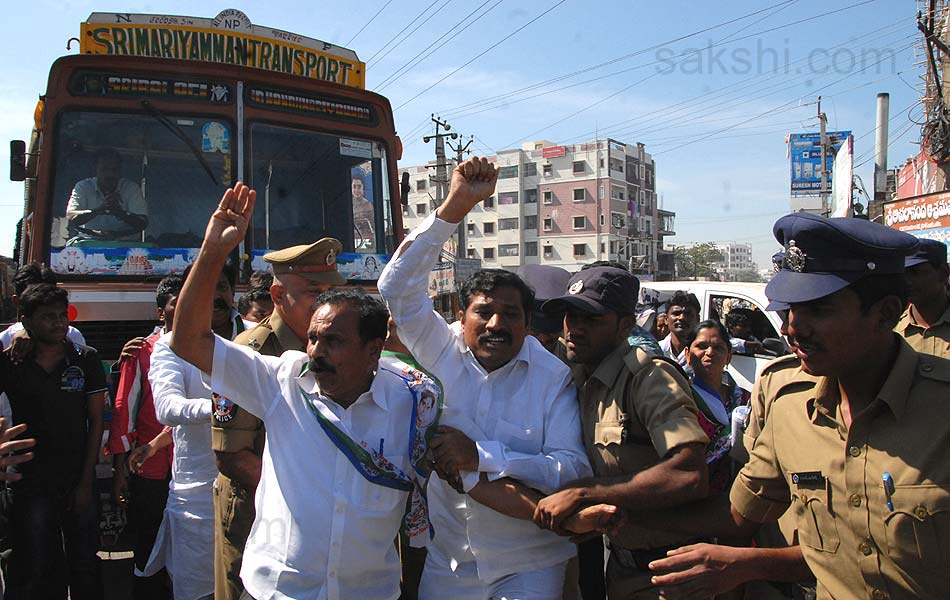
861 538
933 340
634 410
234 429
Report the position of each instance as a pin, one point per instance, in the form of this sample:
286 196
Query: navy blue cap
548 282
598 290
932 251
825 255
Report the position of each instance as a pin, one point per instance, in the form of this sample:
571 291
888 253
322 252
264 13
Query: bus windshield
132 192
313 185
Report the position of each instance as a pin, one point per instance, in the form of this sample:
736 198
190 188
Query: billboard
805 153
553 151
924 216
842 179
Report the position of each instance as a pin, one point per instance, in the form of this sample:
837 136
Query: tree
749 276
697 261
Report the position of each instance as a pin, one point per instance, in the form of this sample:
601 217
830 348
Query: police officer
926 322
301 273
638 422
860 455
548 282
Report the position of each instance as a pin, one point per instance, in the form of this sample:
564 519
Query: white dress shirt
185 541
523 418
322 530
666 344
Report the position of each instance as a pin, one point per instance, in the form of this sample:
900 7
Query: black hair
487 280
30 274
873 288
39 295
108 155
374 318
738 316
711 324
252 295
684 299
606 263
229 270
261 280
169 286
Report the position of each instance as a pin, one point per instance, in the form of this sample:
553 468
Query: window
488 228
508 172
548 224
470 253
530 248
507 225
580 222
548 197
613 247
643 171
580 195
531 221
420 185
603 220
547 170
601 163
531 196
470 228
421 208
617 220
602 248
580 249
549 251
489 253
600 192
405 210
580 167
507 198
539 146
508 250
530 169
489 202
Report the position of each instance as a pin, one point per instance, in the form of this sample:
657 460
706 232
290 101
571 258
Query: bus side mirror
404 188
17 160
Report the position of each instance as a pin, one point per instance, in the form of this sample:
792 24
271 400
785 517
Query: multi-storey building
736 257
564 206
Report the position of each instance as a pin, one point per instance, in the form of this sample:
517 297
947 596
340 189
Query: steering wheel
134 223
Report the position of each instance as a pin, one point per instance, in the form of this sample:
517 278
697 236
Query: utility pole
823 169
460 152
441 180
880 151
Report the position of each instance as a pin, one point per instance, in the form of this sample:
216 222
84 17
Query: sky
712 89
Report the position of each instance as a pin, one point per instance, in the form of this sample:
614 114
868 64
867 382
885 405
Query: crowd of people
559 440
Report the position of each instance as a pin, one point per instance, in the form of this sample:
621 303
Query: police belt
639 560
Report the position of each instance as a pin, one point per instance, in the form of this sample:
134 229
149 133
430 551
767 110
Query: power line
410 34
401 31
412 62
477 56
373 18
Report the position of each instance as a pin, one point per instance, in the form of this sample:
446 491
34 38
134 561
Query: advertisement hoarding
805 153
924 216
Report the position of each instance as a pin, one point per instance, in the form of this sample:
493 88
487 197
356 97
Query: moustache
220 304
320 366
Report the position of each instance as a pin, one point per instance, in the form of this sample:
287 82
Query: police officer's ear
277 292
625 323
888 311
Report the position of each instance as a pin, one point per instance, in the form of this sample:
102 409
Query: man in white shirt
120 200
511 405
334 481
683 316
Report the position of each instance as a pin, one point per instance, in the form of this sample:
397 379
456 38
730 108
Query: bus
138 135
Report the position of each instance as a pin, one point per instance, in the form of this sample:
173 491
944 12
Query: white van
712 295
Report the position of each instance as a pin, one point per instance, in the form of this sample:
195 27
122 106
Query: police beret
316 261
823 255
932 251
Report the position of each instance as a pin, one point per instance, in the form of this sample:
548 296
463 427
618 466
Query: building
563 206
736 258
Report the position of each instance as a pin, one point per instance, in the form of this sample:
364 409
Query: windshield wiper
178 132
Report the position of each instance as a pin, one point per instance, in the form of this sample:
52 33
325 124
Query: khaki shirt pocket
817 526
918 529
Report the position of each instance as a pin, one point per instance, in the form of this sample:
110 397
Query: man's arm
679 478
173 407
119 441
242 466
78 203
708 570
192 339
403 283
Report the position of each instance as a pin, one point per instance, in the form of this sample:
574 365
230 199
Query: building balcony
665 219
